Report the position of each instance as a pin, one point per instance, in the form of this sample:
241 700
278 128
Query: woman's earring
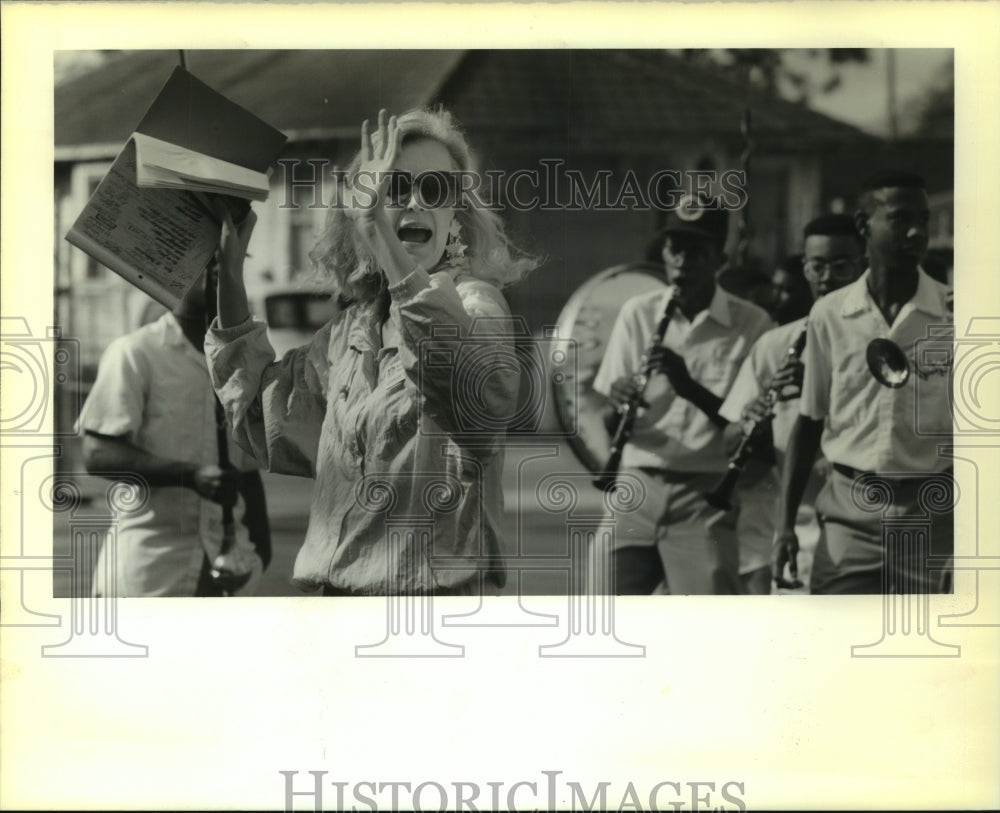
454 248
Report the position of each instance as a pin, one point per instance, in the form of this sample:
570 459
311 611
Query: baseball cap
699 217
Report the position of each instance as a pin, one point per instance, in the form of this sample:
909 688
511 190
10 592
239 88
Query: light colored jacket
401 424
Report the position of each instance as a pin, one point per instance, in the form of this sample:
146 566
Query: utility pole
890 73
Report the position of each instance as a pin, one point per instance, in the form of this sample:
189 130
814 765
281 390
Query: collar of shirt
364 332
718 310
171 335
857 298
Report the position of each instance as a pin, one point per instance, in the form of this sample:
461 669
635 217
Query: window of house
304 224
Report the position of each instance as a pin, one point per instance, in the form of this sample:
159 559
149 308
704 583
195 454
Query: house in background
592 110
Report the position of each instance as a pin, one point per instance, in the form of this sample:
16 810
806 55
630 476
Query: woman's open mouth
414 235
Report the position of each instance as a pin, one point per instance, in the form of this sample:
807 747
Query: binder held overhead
148 220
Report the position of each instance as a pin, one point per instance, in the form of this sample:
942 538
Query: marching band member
863 426
151 412
677 448
832 258
791 294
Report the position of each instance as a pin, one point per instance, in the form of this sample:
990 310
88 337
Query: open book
148 219
162 165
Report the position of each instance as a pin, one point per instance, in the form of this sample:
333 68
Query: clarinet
630 409
228 581
720 497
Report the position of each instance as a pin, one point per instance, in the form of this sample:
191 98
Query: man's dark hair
832 225
802 299
887 179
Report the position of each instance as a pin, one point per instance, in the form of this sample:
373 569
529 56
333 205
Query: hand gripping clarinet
720 497
630 408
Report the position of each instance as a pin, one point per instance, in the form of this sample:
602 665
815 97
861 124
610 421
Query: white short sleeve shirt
673 433
153 388
868 426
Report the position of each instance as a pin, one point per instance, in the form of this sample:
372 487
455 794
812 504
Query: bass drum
586 320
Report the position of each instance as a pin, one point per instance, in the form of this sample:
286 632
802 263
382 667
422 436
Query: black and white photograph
622 385
584 208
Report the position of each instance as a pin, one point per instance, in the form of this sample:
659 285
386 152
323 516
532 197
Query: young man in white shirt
868 431
676 449
152 413
832 258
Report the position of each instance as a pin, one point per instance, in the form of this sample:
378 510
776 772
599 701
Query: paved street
538 513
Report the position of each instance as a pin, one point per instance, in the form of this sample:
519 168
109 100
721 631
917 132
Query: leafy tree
933 111
774 70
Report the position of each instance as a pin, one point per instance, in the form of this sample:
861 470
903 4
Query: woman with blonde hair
398 406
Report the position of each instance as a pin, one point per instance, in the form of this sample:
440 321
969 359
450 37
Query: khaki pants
884 549
674 534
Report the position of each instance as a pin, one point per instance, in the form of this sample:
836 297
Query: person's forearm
234 306
803 444
108 458
707 401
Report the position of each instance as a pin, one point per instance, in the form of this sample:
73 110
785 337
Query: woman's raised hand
233 306
365 201
234 239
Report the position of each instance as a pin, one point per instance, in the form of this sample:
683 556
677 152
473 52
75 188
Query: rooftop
596 99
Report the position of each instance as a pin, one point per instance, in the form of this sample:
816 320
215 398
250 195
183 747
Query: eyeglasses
434 189
841 268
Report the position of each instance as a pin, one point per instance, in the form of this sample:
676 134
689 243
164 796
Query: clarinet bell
232 570
887 363
605 480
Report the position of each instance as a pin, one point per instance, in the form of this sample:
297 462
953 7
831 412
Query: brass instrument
630 409
721 496
887 363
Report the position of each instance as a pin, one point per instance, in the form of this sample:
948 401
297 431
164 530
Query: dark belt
671 476
854 474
